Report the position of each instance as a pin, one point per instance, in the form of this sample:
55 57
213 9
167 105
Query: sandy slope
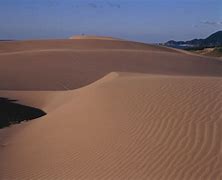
123 126
76 63
93 37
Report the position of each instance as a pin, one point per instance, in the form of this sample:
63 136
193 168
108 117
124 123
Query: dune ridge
105 122
94 37
76 63
125 135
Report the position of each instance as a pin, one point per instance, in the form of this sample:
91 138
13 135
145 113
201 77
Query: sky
140 20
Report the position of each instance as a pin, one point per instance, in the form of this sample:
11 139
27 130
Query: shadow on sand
12 113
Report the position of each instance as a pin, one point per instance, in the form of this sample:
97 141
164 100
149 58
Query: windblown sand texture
115 110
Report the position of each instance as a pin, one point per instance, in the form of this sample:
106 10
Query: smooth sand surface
163 122
70 64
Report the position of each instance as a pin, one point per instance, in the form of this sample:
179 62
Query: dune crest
94 37
113 110
77 63
124 126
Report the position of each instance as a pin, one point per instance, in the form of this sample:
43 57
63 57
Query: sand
94 37
115 110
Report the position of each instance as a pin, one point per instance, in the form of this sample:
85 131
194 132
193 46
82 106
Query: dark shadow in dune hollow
12 113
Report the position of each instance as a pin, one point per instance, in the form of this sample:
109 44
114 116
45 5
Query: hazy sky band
142 20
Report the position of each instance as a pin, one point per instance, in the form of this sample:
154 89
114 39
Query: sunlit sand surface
113 109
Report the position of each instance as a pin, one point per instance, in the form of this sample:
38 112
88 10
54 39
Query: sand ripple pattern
131 126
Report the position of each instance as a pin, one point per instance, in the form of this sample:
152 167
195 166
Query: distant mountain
213 40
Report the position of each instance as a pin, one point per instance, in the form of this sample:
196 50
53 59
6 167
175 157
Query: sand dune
76 63
165 124
117 129
81 43
94 37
